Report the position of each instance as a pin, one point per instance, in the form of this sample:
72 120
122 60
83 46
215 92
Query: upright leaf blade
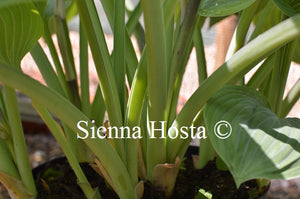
157 77
288 7
261 144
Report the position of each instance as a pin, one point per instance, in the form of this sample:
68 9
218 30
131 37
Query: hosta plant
144 138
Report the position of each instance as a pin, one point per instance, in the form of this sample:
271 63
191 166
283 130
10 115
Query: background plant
172 29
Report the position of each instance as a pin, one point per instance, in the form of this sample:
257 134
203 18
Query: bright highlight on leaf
261 144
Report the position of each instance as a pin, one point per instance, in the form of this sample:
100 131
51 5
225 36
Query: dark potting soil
219 183
57 180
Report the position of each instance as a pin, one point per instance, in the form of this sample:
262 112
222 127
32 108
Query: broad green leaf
6 3
261 145
288 7
218 8
21 26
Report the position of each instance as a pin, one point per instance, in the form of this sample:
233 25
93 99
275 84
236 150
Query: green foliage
21 26
288 7
260 143
8 3
202 194
218 8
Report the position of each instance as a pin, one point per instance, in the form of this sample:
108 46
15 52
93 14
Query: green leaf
269 19
21 26
261 145
6 3
71 10
40 6
296 57
218 8
202 194
288 7
15 187
214 20
221 165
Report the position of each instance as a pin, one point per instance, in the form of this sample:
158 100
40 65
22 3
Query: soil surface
57 180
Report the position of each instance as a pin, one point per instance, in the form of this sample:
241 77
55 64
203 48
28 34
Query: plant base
56 179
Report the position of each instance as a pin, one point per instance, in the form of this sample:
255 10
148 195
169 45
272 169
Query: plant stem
157 80
134 114
137 94
61 139
206 151
84 73
9 174
66 51
45 68
95 36
262 73
279 75
119 51
130 57
169 9
287 55
69 65
98 107
56 61
177 85
183 41
169 46
261 23
181 54
20 149
290 100
200 54
134 18
275 78
7 164
241 31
